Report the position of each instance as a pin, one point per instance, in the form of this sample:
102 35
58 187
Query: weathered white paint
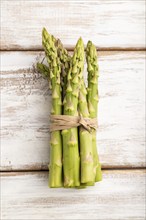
25 109
109 24
120 196
25 105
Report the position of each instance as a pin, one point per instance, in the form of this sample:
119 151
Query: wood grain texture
110 24
120 196
25 112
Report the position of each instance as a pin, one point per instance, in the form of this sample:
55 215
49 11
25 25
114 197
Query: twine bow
62 122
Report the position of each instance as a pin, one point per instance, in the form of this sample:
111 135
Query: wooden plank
110 24
26 104
121 195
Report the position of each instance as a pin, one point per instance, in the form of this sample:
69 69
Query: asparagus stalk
55 167
65 64
86 151
64 58
92 97
71 159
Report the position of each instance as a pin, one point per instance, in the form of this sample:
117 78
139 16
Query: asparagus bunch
74 148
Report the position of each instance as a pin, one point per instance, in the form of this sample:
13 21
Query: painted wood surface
110 24
120 196
25 110
25 105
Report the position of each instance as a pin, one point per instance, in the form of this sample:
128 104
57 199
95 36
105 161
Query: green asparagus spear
55 167
65 64
71 159
86 151
64 58
92 97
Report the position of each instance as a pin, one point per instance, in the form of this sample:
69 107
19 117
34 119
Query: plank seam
128 49
45 170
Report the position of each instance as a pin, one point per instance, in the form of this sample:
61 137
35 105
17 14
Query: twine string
62 122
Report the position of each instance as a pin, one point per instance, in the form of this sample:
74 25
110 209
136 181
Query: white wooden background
117 29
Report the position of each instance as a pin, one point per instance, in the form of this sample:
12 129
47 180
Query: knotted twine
62 122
